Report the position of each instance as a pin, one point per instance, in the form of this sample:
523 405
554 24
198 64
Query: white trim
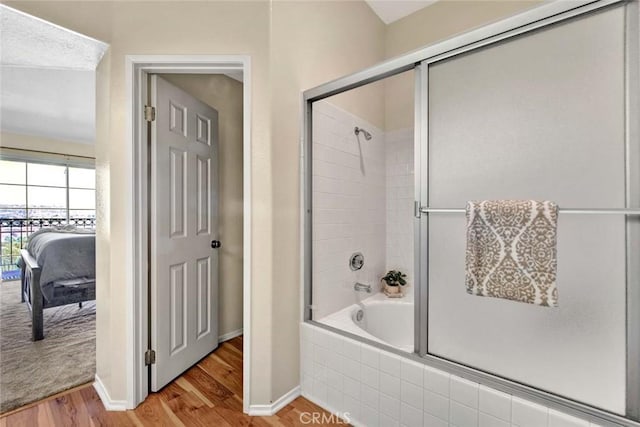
268 410
109 404
136 67
246 229
230 335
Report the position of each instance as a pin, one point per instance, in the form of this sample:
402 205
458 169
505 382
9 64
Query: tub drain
359 315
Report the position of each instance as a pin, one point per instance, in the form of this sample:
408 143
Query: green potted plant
393 282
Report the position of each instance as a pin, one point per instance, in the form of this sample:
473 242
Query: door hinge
416 209
149 113
149 357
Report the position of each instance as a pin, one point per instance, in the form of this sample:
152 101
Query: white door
184 262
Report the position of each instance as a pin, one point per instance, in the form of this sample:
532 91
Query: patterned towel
511 250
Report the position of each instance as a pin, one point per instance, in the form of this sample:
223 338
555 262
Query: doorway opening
190 151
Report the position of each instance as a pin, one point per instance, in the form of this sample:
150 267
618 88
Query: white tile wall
380 389
363 201
400 197
349 201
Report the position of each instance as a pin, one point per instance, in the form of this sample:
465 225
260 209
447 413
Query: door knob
215 244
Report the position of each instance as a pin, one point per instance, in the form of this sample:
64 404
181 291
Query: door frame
137 68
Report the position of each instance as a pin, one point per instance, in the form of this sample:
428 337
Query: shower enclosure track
595 211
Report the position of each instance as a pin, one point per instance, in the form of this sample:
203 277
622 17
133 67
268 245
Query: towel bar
595 211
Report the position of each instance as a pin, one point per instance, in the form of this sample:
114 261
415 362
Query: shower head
358 130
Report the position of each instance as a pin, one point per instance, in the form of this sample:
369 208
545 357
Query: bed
57 268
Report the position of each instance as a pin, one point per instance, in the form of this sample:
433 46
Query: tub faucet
359 287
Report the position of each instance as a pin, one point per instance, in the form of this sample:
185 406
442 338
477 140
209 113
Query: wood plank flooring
208 394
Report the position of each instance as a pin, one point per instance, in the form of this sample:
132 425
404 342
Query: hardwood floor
208 394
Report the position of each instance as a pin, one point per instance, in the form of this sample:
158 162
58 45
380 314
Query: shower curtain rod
595 211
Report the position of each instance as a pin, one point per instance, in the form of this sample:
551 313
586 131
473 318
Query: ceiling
30 41
392 10
47 78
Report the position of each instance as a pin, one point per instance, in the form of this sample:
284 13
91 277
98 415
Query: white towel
512 250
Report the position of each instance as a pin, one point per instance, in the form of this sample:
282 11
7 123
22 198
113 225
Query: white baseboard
109 404
268 410
229 335
121 405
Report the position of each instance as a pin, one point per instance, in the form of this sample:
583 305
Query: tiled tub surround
348 207
362 202
380 389
400 195
376 324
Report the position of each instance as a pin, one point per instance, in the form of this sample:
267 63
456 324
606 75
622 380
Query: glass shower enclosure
541 106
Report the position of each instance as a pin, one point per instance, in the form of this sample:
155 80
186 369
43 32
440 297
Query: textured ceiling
29 41
392 10
47 84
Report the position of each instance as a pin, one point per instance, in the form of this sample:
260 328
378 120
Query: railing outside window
15 232
38 191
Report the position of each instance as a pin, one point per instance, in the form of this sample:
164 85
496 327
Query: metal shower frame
418 60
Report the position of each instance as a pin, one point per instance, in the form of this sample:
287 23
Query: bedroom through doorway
47 209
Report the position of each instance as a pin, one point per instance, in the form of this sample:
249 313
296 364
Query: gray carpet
65 358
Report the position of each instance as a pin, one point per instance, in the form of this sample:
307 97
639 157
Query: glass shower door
538 117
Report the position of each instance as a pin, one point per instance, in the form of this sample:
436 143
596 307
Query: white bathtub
386 320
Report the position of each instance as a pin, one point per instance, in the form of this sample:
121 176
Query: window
37 194
37 190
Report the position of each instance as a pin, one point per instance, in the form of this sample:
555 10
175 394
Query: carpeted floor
65 358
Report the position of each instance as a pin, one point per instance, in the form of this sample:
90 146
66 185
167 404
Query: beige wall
444 19
399 105
225 95
312 42
38 143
